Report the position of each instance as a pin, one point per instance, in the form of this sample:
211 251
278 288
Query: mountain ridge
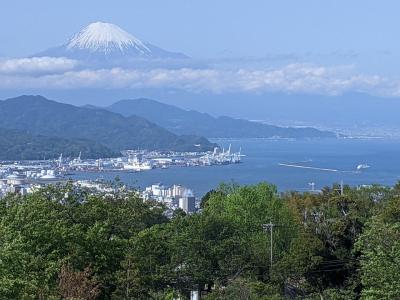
181 121
40 116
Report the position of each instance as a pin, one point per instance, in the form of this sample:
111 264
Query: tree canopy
65 243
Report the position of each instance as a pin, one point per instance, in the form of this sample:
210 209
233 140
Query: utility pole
270 227
341 188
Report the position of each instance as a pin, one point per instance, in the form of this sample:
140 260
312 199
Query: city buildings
174 197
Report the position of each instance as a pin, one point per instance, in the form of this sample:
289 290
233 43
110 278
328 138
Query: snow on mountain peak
105 37
105 44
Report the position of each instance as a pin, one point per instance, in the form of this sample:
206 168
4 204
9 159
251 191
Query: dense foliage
20 145
62 243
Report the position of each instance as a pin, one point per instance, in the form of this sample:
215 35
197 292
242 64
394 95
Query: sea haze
263 157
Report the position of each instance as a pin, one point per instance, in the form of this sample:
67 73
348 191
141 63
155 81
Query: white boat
362 166
136 166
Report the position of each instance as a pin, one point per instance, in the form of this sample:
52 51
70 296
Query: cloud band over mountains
64 73
36 65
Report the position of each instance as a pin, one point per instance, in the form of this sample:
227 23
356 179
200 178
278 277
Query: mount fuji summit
106 42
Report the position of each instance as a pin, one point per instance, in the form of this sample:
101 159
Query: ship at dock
137 163
221 157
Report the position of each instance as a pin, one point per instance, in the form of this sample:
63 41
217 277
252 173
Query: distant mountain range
182 121
37 115
33 127
20 145
107 43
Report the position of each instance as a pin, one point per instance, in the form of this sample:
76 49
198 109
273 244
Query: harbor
142 160
25 177
351 157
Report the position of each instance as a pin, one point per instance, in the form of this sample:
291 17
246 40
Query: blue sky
254 47
210 28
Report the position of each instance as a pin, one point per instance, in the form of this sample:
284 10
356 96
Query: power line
270 226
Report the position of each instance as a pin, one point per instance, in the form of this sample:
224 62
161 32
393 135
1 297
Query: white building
178 191
174 196
188 204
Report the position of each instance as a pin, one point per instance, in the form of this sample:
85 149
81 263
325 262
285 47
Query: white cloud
36 65
304 78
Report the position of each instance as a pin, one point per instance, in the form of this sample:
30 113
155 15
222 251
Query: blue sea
263 159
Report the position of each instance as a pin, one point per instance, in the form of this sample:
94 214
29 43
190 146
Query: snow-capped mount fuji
106 42
106 38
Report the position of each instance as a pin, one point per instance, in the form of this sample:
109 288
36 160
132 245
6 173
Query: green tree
63 225
380 248
335 221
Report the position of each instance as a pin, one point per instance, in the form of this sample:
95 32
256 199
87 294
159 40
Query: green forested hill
40 116
20 145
